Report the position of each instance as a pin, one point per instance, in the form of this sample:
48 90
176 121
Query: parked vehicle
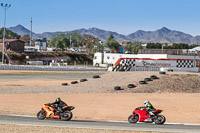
109 59
49 111
34 62
140 114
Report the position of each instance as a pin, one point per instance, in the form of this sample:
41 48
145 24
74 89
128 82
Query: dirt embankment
171 83
20 58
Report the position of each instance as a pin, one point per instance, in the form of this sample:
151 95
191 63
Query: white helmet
146 103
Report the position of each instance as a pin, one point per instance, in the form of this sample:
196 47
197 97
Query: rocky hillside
161 35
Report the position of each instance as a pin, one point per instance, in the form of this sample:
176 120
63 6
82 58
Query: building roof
124 42
10 40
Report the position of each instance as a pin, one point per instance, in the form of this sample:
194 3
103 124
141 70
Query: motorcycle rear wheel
66 116
160 119
133 119
41 115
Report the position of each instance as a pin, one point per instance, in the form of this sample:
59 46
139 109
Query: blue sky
122 16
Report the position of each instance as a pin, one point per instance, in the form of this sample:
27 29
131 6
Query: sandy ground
97 100
178 108
37 129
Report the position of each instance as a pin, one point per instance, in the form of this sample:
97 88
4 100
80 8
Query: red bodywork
142 113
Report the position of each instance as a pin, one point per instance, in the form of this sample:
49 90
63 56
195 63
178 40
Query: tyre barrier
117 88
74 82
131 86
142 82
161 72
147 79
96 76
83 80
154 77
64 84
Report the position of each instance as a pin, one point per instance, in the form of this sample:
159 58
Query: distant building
40 46
29 49
124 43
144 45
12 45
195 50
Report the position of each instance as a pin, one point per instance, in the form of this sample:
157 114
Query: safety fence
50 68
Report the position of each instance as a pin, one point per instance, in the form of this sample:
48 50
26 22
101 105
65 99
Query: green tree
112 44
193 46
180 46
133 47
59 44
154 46
60 41
9 34
53 40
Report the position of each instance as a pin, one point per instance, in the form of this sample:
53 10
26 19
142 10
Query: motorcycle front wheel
133 119
41 115
160 119
66 116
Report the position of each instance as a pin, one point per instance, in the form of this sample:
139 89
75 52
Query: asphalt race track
28 120
67 76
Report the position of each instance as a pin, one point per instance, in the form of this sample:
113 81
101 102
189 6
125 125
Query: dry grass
42 129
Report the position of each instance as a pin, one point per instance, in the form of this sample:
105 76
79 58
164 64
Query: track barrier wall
48 68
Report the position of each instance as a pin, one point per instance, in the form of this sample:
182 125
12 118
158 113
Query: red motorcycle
140 114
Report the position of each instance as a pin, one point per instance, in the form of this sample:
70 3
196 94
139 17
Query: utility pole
5 7
31 32
162 43
70 39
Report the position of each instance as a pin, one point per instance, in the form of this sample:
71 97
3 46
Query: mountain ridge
163 35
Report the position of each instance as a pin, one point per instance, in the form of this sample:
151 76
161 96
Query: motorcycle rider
149 107
59 104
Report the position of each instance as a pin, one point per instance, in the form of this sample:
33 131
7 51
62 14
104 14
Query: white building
40 46
194 50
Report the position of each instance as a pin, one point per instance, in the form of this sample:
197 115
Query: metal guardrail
48 68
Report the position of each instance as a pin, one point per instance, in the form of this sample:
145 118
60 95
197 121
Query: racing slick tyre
133 119
117 88
142 82
162 72
131 86
83 80
66 116
147 79
96 76
154 77
64 84
41 115
74 82
160 119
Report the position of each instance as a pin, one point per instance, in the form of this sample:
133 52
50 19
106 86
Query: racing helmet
146 103
58 99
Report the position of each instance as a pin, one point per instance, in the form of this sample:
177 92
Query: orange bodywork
65 107
50 112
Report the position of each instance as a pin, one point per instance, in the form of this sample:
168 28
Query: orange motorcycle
49 111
